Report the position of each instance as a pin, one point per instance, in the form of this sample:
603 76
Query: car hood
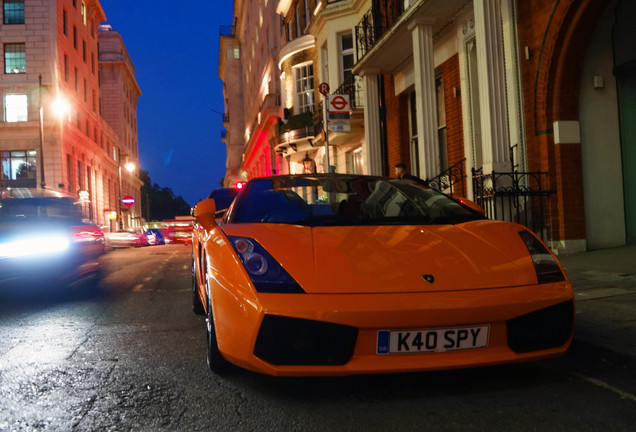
398 258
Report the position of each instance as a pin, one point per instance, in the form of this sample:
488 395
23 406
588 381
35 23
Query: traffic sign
339 104
128 201
323 88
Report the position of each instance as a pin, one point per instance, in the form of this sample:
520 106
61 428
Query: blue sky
174 48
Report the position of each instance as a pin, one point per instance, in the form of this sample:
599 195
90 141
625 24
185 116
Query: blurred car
223 198
179 230
44 242
158 236
150 236
126 238
341 274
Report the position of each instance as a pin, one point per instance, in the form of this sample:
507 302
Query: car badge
428 278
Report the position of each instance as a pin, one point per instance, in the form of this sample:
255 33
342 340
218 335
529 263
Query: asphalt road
130 356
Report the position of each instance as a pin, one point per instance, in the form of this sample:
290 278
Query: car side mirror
205 212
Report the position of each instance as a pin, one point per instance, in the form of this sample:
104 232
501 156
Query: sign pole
326 129
324 91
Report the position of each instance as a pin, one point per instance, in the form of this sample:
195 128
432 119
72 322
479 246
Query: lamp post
130 167
41 150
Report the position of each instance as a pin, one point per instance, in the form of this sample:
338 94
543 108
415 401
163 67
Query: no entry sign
128 201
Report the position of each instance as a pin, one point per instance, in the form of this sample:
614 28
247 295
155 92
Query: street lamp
130 167
309 166
59 106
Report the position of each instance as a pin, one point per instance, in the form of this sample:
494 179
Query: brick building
52 59
524 107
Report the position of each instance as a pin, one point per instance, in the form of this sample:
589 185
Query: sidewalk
604 284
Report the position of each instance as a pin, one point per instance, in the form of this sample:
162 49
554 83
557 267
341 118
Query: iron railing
451 181
352 86
227 30
375 23
520 197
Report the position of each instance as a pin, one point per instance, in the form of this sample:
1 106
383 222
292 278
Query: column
373 142
425 104
492 86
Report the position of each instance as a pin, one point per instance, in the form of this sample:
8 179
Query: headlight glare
30 246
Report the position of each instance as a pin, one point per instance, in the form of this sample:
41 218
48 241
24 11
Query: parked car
342 274
126 238
158 236
44 243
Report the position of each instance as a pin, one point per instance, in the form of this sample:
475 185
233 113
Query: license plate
432 340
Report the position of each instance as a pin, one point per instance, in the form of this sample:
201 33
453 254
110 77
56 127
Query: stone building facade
53 136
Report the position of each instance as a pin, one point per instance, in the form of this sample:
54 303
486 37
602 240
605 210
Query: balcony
297 126
374 25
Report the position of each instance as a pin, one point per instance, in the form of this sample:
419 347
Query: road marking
606 386
596 382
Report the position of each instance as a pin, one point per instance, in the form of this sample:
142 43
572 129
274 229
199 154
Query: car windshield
346 200
41 208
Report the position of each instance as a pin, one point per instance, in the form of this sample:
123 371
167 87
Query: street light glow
129 166
60 106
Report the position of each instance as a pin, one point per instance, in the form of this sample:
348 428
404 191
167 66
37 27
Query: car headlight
266 273
30 246
544 263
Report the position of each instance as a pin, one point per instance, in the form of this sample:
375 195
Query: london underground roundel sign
128 201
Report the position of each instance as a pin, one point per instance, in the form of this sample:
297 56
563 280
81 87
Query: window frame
13 15
22 115
8 62
307 103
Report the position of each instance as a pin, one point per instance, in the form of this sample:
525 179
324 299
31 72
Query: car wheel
216 362
197 306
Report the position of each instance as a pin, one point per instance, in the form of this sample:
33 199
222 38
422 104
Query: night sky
174 48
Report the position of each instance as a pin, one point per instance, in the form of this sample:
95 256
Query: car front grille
293 341
543 329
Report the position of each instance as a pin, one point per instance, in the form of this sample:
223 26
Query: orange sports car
345 274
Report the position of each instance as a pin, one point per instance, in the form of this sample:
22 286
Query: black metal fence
451 181
375 23
520 197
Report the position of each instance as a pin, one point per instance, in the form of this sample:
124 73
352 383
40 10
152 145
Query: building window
14 58
15 108
307 14
84 51
355 162
83 12
346 56
69 172
237 53
441 124
75 37
66 73
304 78
14 11
76 80
19 168
65 22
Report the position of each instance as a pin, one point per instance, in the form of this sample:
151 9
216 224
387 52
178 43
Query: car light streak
44 245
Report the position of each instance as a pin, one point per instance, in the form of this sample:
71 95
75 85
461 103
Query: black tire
197 306
216 362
